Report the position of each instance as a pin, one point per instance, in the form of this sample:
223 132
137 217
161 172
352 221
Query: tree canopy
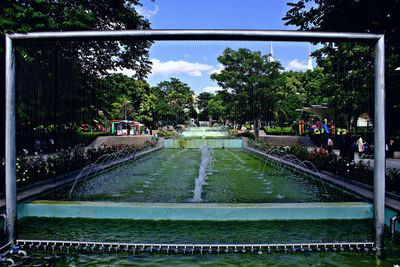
337 60
252 79
61 83
76 15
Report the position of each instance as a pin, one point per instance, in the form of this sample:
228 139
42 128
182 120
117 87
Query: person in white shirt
360 144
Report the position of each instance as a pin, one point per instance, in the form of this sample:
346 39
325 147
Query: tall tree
252 78
202 102
179 98
343 16
151 104
79 63
77 15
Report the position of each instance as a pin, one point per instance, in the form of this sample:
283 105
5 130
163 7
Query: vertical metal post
10 153
379 142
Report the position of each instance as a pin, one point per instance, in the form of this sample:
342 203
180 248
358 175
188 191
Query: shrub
247 134
233 132
85 138
248 126
278 130
393 180
166 134
300 152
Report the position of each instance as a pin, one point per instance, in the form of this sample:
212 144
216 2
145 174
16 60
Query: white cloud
297 65
127 72
147 13
179 67
217 70
212 89
169 67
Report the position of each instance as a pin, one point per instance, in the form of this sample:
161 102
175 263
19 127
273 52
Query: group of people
148 131
349 145
362 147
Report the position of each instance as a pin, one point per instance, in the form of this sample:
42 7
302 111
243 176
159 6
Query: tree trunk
256 123
349 123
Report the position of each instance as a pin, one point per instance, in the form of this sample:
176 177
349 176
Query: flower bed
31 169
331 162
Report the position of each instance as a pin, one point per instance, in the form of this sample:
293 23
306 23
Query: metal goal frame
197 35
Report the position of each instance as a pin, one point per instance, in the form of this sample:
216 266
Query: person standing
330 146
360 146
391 148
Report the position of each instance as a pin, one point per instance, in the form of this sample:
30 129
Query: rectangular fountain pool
232 176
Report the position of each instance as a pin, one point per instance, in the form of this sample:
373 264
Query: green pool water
216 232
331 259
195 231
232 177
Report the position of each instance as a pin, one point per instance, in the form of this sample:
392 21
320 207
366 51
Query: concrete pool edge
197 211
197 143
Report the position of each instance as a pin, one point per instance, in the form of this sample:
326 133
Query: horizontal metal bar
187 247
206 35
6 246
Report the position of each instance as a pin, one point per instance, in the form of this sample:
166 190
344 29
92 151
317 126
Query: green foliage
62 82
32 169
77 15
278 130
252 80
85 138
166 134
247 134
117 94
349 66
148 106
176 101
203 105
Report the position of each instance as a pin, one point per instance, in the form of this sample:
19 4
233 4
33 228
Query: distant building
310 66
309 62
364 121
271 55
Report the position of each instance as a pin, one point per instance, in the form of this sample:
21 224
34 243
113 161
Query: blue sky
192 62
